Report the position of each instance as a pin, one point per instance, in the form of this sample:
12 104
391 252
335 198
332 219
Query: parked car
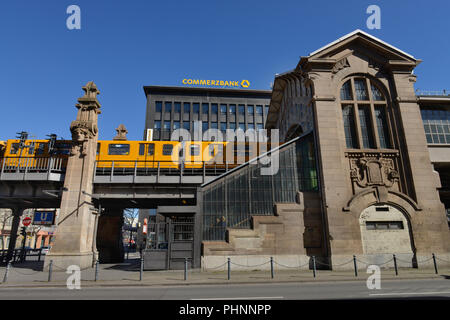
44 250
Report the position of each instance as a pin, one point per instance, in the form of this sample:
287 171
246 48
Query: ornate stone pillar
74 238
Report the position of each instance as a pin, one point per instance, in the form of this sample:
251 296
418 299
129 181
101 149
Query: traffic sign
26 221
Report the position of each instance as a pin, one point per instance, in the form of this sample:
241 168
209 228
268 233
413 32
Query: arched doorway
385 230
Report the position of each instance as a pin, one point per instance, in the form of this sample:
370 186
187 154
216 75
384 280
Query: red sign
26 221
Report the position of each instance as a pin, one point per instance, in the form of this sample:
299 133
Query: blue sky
124 45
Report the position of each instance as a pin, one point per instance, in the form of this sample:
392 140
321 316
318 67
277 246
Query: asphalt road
390 289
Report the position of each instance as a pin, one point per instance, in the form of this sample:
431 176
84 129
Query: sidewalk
127 274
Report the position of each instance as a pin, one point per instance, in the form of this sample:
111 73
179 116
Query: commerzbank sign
218 83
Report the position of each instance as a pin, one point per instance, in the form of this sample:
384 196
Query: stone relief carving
375 169
341 64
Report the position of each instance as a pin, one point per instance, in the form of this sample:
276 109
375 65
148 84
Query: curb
92 284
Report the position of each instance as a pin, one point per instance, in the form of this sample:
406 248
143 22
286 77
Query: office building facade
171 108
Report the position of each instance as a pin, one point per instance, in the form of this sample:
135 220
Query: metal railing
24 165
140 168
432 92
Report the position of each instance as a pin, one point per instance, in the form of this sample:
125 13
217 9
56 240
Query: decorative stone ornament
85 127
121 133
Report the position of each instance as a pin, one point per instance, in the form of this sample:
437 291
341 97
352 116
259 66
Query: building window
214 108
349 126
176 125
223 109
259 126
384 225
242 126
251 126
266 109
360 90
232 108
241 109
259 110
196 108
178 107
187 107
186 125
232 125
158 106
205 108
223 126
436 123
204 125
383 131
168 107
346 91
213 125
366 127
364 122
250 110
158 124
166 125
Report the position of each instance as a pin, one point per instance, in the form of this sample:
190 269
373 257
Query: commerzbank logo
217 83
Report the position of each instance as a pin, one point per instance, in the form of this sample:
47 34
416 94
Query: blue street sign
44 218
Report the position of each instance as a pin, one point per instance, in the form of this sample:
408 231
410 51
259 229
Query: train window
141 149
40 149
151 149
62 148
31 148
14 148
98 148
195 150
167 149
119 149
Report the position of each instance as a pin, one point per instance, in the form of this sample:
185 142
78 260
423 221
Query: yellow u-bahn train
131 154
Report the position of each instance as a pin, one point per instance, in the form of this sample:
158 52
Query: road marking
241 298
407 293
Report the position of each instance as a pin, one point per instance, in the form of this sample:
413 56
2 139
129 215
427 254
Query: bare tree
130 216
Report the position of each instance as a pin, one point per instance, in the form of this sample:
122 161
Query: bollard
185 268
355 266
39 256
5 278
142 268
435 264
96 270
229 268
50 269
395 265
271 267
314 266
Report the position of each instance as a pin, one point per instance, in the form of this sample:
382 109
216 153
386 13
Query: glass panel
360 89
195 150
158 124
158 106
196 108
376 93
141 149
167 150
177 107
366 126
213 125
151 149
176 125
346 91
187 107
382 127
205 108
250 109
168 107
223 109
241 109
214 108
14 148
167 125
259 109
186 125
119 149
232 108
204 125
349 126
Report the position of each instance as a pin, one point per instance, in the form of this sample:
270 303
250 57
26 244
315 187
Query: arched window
364 115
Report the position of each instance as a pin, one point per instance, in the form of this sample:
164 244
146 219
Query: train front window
119 149
151 149
167 150
14 148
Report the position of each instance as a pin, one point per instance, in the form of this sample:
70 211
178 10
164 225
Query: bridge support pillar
17 213
74 237
109 236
